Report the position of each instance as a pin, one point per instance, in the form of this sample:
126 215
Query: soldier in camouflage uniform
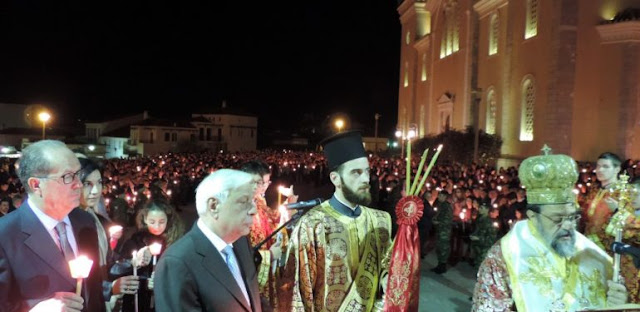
443 221
484 236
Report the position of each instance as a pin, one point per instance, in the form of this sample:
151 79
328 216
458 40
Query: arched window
423 77
528 99
492 110
531 26
450 42
406 74
494 29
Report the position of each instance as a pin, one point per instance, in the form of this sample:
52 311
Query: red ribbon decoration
403 284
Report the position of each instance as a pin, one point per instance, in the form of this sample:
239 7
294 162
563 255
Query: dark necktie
67 251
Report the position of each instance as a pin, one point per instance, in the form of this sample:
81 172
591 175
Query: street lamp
44 117
339 124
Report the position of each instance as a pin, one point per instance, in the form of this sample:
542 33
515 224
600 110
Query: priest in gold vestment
543 263
265 222
337 258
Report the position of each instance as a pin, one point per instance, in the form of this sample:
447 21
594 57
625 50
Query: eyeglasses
559 220
67 178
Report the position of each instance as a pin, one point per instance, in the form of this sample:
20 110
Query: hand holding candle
115 233
80 268
155 250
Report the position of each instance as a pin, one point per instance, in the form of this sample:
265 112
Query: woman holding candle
157 223
91 179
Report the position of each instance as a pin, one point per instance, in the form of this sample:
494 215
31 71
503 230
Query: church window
493 34
531 26
492 109
423 76
406 74
528 99
450 42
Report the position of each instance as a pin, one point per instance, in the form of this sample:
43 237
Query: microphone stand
257 258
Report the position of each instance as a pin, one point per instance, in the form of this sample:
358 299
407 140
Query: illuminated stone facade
565 73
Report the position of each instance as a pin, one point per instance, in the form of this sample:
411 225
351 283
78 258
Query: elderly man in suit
211 268
46 232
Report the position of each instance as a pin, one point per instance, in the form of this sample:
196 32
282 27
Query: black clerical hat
342 147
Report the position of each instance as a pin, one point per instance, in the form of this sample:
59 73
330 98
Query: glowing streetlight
44 117
411 134
339 124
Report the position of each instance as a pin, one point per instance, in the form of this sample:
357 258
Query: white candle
155 250
133 263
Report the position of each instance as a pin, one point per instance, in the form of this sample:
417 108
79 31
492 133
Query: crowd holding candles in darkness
137 203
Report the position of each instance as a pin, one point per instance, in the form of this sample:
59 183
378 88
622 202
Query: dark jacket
32 267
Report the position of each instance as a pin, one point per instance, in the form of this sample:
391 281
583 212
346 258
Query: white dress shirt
50 225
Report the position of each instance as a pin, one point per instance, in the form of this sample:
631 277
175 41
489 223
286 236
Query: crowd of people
471 212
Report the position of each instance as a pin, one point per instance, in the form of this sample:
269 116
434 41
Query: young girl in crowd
157 222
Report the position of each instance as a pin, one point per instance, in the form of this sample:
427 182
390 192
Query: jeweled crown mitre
549 179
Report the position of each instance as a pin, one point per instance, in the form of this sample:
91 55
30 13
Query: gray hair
36 161
218 185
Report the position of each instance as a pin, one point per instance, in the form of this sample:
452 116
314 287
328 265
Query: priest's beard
358 197
558 240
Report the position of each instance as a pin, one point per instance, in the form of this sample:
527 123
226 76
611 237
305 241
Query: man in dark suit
46 232
211 268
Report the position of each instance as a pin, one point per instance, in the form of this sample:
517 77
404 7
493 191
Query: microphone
304 204
626 249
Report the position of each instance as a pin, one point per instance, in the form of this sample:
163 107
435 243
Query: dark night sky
280 60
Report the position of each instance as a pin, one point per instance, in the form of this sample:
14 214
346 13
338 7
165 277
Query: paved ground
448 292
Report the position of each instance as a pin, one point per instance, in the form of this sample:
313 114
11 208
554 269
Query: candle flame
155 248
115 229
80 267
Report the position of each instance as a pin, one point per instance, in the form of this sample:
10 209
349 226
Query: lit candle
80 268
415 179
155 249
431 163
112 231
134 263
284 216
495 224
280 190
